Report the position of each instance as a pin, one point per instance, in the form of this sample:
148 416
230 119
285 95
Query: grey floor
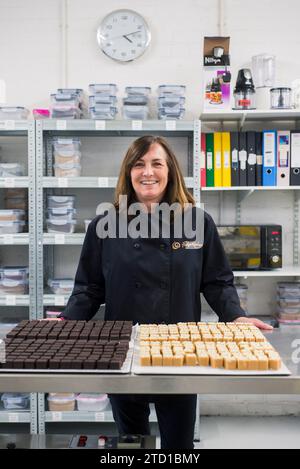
249 432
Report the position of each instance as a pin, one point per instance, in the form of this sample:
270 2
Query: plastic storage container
281 98
164 90
61 402
92 402
62 213
61 201
135 112
138 90
171 102
52 314
14 273
11 227
9 112
289 289
61 286
107 89
15 401
65 170
41 113
11 170
60 226
13 287
103 113
67 157
66 144
11 215
97 99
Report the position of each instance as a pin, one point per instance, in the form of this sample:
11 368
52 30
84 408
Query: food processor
244 92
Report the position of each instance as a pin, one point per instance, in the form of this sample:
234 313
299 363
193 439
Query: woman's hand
260 324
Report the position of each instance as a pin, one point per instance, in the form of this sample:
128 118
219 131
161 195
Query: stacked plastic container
67 157
103 101
288 302
14 280
13 112
67 103
136 103
8 170
15 400
12 221
61 286
171 101
61 214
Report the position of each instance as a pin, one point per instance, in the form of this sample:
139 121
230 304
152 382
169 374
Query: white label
252 158
137 125
99 416
202 160
9 125
226 159
218 160
103 182
13 418
59 239
170 125
209 161
269 149
8 239
9 182
59 300
62 182
295 150
100 125
243 159
10 300
234 156
61 125
56 416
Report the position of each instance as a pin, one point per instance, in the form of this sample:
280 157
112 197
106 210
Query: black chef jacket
153 280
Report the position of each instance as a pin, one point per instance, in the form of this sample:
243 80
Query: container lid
7 282
42 112
12 222
14 271
61 282
12 212
281 89
61 198
11 165
66 141
69 165
89 397
58 222
61 398
13 108
16 396
62 211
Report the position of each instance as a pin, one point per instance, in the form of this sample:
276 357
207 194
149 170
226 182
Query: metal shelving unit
45 131
15 129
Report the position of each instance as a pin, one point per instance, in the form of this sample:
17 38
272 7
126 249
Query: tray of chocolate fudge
68 347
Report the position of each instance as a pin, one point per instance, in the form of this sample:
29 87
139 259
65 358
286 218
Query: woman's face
149 175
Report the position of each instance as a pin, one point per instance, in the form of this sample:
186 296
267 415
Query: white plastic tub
61 402
92 402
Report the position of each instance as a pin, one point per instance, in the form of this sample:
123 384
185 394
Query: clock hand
133 32
127 38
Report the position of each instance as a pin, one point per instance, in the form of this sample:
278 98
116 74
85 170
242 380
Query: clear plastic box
293 302
103 113
62 213
10 112
65 171
60 226
13 287
136 100
171 102
41 113
15 401
11 227
107 89
288 289
61 286
65 112
66 144
68 156
14 273
138 90
61 402
97 99
135 112
92 402
71 99
171 114
164 90
61 201
52 314
11 215
11 170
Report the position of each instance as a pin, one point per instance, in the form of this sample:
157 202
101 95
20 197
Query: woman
150 279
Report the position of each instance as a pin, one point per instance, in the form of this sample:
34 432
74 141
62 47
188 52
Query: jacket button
138 285
136 245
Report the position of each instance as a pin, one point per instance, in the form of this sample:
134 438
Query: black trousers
176 416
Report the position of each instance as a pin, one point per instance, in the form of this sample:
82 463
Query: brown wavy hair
176 190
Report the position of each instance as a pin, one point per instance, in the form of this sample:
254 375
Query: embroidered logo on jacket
186 245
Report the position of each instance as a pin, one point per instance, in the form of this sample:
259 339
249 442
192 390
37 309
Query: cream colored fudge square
178 359
145 360
190 359
203 359
216 361
230 363
274 361
167 360
242 363
156 360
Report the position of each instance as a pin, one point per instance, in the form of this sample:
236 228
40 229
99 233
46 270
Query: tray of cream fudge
68 347
198 348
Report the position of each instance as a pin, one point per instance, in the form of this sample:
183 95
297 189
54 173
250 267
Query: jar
281 98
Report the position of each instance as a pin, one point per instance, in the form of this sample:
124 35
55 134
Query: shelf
250 188
84 416
72 239
271 114
14 125
15 416
18 238
116 125
91 182
14 182
14 300
287 271
49 299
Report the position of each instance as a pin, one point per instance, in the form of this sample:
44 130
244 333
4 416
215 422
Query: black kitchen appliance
252 247
244 92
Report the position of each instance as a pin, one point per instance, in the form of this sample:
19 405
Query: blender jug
263 68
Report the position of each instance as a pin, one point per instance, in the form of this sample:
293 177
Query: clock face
123 35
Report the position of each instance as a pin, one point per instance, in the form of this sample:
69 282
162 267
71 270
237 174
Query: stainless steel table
285 340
